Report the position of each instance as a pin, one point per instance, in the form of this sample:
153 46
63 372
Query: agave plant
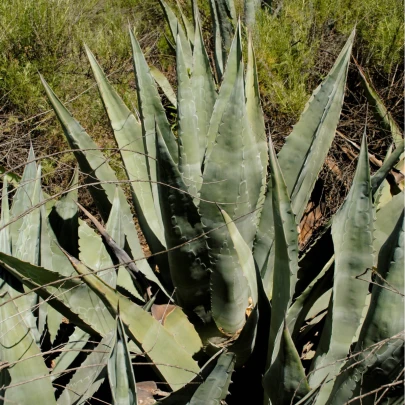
225 287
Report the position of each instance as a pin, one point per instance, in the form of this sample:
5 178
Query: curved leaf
115 229
164 84
286 257
298 311
215 388
352 232
120 372
176 29
22 196
285 381
379 350
305 150
244 255
203 87
388 164
128 134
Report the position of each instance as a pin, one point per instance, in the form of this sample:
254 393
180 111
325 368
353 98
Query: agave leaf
5 239
382 195
285 381
189 155
232 177
93 163
251 7
386 219
164 84
224 21
254 108
305 150
286 257
22 197
315 258
216 376
380 111
77 340
203 88
177 323
94 254
120 372
128 134
151 109
68 296
387 166
114 228
379 349
188 261
27 368
246 341
219 56
28 242
53 322
152 112
352 232
311 397
215 388
176 29
175 365
263 248
53 259
233 67
90 159
141 283
233 174
245 257
89 377
64 218
28 248
187 25
298 311
252 343
385 303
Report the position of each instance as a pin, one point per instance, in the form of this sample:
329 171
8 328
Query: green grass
292 46
47 36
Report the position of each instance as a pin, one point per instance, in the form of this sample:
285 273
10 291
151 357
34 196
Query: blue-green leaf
120 372
352 232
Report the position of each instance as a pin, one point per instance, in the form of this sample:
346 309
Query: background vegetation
295 45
